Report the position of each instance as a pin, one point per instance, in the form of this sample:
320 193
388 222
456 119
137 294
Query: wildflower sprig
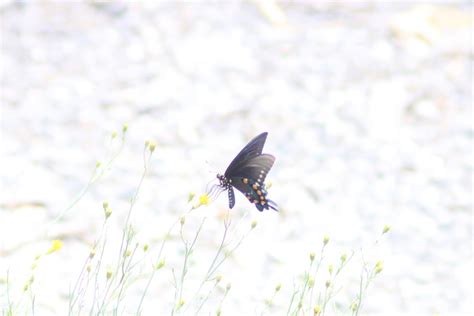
99 171
269 302
367 275
188 249
119 275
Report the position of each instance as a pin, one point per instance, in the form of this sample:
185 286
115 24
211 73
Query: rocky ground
368 109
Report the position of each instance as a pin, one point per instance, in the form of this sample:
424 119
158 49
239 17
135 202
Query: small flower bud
268 185
108 274
378 267
181 303
218 312
218 278
98 164
191 196
386 229
160 264
330 268
92 253
312 255
182 220
310 282
254 224
354 306
124 128
316 310
127 253
300 304
114 134
26 287
88 268
152 146
147 143
343 258
34 265
328 283
278 287
228 286
107 212
105 205
325 240
145 247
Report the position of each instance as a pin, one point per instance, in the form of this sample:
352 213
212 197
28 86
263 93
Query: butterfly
247 173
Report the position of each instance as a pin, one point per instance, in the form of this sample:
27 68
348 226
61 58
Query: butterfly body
247 173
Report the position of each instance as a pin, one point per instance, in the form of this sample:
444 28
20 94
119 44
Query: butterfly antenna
209 170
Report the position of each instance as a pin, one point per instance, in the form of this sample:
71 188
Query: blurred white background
368 109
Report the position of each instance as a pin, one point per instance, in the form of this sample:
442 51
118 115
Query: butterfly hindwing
255 192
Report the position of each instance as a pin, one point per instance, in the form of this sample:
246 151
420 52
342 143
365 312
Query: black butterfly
247 174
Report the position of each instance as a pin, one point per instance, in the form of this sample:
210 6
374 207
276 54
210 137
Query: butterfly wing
251 150
255 193
255 168
249 179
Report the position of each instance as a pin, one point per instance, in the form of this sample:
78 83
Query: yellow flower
55 246
204 199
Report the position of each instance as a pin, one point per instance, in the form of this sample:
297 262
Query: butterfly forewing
252 149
